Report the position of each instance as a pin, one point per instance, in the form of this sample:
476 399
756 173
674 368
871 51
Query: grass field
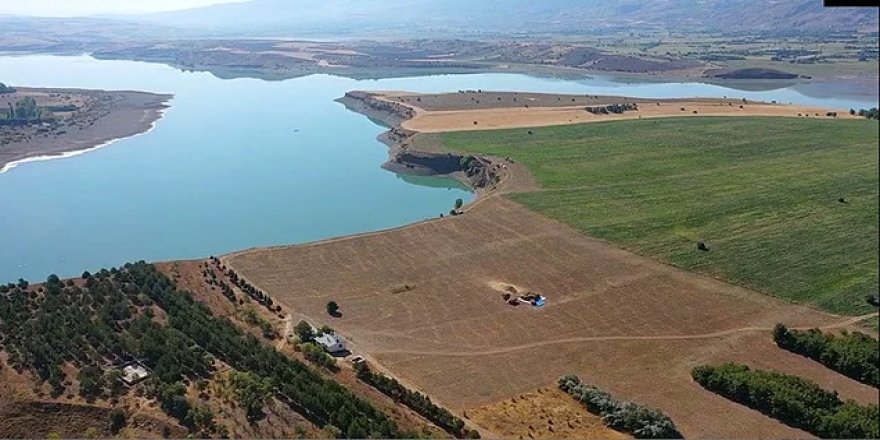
761 192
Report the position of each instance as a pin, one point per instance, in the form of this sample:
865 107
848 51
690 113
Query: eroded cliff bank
479 173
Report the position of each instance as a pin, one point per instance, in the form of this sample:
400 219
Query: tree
201 419
4 89
86 275
251 392
91 382
333 308
26 109
304 332
118 420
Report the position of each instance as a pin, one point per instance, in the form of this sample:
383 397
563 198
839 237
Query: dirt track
625 323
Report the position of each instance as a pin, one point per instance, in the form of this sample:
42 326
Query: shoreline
9 166
130 114
478 175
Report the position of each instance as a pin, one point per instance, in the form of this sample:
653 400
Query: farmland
627 324
786 206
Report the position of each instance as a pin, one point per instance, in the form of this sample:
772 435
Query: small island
55 122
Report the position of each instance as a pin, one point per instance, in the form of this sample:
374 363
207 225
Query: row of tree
638 420
322 401
871 113
854 355
25 110
793 400
256 294
416 401
4 89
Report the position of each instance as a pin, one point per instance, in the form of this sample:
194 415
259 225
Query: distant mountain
343 17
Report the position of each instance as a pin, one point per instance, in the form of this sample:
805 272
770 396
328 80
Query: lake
242 163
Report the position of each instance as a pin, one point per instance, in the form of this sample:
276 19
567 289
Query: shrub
317 355
795 401
332 308
642 422
118 420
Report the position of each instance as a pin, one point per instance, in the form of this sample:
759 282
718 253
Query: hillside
341 17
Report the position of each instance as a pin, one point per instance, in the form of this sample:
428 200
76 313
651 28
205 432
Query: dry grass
625 323
545 413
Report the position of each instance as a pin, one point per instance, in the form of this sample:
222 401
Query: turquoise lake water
226 169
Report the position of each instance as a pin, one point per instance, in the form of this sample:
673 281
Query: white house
134 372
331 343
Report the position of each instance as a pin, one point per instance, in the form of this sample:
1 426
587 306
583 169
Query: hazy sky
67 8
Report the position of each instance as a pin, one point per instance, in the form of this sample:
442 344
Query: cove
236 164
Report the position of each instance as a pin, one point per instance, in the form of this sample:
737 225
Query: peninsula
38 124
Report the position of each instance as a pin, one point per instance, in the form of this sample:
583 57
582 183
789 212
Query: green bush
855 355
638 420
317 355
793 400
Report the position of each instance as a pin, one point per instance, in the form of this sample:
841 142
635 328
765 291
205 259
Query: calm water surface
239 163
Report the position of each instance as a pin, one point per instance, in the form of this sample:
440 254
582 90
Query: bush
795 401
642 422
332 308
855 355
118 420
318 356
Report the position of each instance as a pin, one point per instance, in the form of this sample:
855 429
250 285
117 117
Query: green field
761 192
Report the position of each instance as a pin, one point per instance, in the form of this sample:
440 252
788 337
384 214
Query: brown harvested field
498 110
545 413
625 323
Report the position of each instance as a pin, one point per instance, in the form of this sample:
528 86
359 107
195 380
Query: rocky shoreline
479 173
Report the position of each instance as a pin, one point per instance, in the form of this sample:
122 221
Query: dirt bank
481 174
86 119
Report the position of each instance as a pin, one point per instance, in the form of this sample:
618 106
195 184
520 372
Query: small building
331 343
134 372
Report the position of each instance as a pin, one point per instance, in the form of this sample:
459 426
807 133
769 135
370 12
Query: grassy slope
762 192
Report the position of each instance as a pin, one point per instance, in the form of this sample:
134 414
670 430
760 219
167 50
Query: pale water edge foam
75 153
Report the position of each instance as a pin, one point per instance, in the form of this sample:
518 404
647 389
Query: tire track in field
718 334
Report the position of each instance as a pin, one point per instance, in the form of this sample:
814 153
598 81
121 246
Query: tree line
416 401
871 113
638 420
792 400
25 110
855 355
